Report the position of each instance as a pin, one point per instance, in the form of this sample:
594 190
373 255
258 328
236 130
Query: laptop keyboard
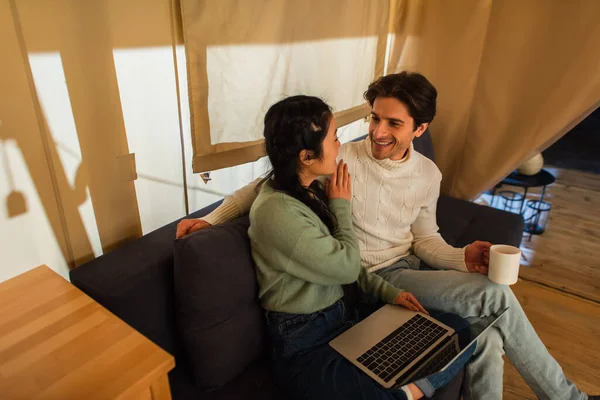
440 360
401 347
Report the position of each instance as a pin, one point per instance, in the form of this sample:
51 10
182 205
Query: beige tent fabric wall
80 33
20 123
444 41
217 28
512 76
540 71
83 36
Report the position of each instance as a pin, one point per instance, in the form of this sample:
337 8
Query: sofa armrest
135 282
462 222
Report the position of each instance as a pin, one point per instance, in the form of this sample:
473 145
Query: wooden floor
567 255
569 327
559 287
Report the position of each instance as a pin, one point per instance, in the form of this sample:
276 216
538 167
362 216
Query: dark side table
536 207
541 179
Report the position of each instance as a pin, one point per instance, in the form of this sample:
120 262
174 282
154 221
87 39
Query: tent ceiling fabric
244 56
539 71
512 77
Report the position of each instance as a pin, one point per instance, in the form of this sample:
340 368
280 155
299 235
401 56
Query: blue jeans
306 367
472 296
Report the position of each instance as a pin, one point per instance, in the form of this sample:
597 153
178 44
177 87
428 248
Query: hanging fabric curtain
512 77
243 56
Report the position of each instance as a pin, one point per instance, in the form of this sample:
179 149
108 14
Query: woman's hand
340 185
407 300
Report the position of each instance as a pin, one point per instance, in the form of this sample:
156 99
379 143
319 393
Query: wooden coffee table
58 343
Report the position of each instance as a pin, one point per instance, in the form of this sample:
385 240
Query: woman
308 262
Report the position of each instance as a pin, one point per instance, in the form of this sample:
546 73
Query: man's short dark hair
412 89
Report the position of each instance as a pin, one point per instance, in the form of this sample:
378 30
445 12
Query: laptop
395 346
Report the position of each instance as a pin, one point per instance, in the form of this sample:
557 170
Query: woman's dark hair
291 125
412 89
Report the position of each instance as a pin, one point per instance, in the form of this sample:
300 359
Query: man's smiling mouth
382 143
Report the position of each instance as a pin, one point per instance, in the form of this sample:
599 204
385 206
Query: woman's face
326 165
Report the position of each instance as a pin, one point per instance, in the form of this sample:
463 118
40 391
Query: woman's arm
378 287
388 293
290 238
296 235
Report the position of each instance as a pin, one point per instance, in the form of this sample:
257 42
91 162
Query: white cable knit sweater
393 208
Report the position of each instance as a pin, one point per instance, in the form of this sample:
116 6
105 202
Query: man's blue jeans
306 367
473 295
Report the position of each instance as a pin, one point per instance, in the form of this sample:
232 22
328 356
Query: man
395 193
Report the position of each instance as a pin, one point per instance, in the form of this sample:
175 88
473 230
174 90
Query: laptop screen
462 342
467 336
478 326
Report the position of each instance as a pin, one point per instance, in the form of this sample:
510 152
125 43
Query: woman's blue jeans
306 367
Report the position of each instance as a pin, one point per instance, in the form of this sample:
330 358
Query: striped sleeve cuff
453 258
227 211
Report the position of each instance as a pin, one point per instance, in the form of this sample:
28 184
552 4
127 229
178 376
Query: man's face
391 129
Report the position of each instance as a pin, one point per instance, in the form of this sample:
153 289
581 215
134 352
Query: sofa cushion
462 222
424 145
255 382
219 317
135 282
451 225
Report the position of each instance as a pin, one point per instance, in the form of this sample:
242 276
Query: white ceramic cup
504 264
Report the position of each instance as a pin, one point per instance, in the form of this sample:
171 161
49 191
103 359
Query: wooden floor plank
565 311
566 255
569 327
572 177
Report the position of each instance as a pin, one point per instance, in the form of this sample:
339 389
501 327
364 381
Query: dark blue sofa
136 282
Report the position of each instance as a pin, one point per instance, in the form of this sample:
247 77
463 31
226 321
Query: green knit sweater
300 265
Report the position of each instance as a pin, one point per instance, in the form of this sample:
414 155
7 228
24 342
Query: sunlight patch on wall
245 80
30 235
53 94
146 79
223 182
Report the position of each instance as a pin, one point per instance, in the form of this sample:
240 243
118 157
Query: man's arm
235 205
428 244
